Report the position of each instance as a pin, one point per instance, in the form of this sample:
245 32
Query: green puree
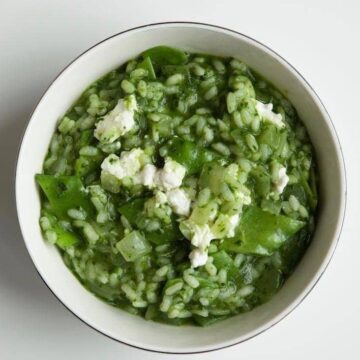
198 129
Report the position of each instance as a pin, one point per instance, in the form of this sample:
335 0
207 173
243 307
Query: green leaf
132 209
190 155
167 234
65 238
293 250
165 55
262 181
64 193
222 260
268 283
261 233
146 64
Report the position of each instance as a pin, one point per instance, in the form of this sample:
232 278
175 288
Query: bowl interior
107 56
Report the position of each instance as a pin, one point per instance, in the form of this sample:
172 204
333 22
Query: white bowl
108 55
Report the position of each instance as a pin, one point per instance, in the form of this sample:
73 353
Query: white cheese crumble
147 176
128 164
177 198
200 239
171 176
202 236
233 223
168 179
266 113
282 180
179 201
198 257
117 122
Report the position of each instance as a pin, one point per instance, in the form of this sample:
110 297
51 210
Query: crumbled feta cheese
179 201
198 257
202 236
147 176
282 180
167 179
127 164
112 165
171 176
266 113
117 122
233 223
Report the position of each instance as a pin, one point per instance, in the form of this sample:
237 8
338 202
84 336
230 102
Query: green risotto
180 187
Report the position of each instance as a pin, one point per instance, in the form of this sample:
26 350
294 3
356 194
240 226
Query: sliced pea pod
165 55
64 193
65 238
146 64
190 155
262 181
261 233
222 260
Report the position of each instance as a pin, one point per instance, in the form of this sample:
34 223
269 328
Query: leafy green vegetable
64 193
146 64
268 283
296 190
132 209
167 234
222 260
262 181
261 233
166 55
65 238
293 249
190 155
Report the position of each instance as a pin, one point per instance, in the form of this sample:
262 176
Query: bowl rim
342 171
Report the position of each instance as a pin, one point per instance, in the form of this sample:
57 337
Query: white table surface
38 38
